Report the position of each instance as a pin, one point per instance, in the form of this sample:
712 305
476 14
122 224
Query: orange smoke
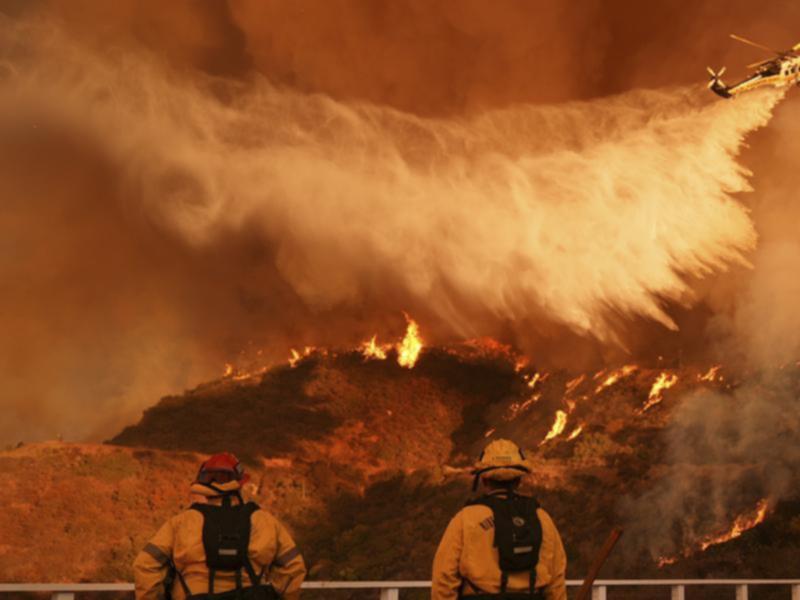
233 204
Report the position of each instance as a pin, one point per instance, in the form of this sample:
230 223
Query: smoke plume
726 452
183 183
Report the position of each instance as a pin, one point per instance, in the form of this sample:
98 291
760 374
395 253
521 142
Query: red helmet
221 468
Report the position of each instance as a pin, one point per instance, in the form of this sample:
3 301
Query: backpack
517 534
226 538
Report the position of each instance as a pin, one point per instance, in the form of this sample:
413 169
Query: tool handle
599 561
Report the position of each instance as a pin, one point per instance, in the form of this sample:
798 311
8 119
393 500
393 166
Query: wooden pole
598 563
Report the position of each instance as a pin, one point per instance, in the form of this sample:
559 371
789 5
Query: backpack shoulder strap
531 508
248 511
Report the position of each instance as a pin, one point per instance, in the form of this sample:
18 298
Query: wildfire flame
742 523
711 375
557 428
519 407
615 376
295 356
575 433
535 379
408 350
574 383
372 350
664 382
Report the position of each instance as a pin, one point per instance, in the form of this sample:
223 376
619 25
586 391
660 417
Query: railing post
795 592
599 592
390 594
62 596
678 592
741 592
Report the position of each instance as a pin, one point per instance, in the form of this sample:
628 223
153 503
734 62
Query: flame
519 407
614 377
663 382
408 350
741 524
666 560
575 433
295 356
372 350
711 375
228 370
534 380
573 383
557 428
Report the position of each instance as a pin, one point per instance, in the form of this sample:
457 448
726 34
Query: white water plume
502 220
567 211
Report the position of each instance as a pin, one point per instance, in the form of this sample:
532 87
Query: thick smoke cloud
177 190
728 453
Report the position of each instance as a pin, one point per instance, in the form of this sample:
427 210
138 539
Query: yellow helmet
501 460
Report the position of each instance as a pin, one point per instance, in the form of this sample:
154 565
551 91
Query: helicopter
777 72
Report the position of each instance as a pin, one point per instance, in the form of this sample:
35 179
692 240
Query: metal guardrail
390 590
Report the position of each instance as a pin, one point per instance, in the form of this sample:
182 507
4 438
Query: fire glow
711 375
558 426
663 383
372 350
408 350
742 523
615 376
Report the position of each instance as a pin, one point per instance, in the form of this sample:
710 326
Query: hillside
366 461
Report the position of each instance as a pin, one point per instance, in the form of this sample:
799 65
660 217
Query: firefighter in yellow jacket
502 543
220 547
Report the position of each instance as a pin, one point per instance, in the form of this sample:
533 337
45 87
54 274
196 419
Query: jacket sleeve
557 588
151 565
446 579
288 569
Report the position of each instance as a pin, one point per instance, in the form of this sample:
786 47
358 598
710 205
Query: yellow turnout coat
467 556
181 540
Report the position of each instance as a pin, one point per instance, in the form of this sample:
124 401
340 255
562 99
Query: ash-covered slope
367 460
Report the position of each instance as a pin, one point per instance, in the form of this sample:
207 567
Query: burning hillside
345 442
597 257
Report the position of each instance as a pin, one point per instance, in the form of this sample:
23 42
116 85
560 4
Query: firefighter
221 544
501 545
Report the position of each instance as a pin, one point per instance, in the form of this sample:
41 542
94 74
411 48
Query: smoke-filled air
197 184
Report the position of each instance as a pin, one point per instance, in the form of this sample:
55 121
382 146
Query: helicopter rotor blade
758 64
739 38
